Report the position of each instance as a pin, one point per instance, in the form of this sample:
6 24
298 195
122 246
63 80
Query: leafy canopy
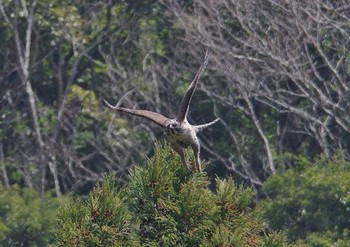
311 201
25 218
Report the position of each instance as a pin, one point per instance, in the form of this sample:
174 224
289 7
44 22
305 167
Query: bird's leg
196 151
181 152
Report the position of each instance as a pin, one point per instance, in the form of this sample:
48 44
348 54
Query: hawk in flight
178 131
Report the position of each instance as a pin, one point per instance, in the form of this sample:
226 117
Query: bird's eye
172 126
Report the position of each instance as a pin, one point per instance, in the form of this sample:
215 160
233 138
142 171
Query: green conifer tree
164 204
100 219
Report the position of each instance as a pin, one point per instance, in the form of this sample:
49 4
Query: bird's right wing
203 126
153 116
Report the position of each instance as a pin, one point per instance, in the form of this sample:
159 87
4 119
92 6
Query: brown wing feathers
153 116
183 110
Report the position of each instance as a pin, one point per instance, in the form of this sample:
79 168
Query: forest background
278 79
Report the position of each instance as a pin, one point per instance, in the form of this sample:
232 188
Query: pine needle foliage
101 219
164 204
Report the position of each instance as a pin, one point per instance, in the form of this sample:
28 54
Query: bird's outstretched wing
153 116
206 125
183 110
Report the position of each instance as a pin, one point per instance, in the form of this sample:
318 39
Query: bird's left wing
183 110
153 116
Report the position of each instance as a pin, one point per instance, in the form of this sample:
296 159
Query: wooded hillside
277 77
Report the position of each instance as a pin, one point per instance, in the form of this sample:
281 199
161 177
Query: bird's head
174 127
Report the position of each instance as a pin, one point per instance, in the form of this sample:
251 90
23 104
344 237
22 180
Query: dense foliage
312 201
101 219
25 218
164 205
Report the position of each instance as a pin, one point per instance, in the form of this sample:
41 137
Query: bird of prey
178 131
